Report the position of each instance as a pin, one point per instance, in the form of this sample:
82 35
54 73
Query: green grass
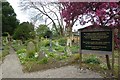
74 49
18 47
102 67
5 52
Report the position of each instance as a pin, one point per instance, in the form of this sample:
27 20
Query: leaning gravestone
30 49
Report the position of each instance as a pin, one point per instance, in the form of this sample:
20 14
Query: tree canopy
49 12
42 30
23 31
100 13
105 14
9 21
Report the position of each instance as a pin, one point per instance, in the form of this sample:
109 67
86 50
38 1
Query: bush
23 56
24 31
74 49
92 60
51 54
62 57
21 51
45 43
60 48
43 61
62 41
5 52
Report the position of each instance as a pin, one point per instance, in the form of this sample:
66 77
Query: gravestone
68 50
41 55
69 42
30 48
19 42
6 40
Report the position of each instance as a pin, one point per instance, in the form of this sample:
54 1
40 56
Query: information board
96 40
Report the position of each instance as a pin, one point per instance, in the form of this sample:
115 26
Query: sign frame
98 51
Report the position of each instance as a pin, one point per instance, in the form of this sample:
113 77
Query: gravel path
11 68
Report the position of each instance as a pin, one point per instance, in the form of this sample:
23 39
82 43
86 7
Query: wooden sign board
96 41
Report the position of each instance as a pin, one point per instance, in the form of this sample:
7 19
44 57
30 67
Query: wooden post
118 64
113 53
119 56
108 62
80 51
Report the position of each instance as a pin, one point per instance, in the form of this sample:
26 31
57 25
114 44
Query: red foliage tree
98 13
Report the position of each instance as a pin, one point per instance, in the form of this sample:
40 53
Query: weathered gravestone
37 43
19 42
68 50
6 40
30 49
41 55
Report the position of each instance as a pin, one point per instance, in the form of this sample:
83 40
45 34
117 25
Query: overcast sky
24 17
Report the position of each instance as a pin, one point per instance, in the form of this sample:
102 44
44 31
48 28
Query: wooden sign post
119 57
97 41
119 64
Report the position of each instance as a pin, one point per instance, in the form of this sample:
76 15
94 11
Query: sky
21 15
24 16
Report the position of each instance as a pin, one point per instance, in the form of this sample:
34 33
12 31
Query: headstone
68 51
69 42
19 42
41 55
30 48
6 40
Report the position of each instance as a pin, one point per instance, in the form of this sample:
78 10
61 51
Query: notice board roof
95 27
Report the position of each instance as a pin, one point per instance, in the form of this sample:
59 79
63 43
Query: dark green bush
62 41
24 31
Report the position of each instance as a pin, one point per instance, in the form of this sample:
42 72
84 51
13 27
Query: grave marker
30 48
41 55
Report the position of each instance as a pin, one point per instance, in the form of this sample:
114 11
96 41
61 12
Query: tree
43 9
55 35
9 21
41 30
23 31
105 14
101 13
0 19
48 34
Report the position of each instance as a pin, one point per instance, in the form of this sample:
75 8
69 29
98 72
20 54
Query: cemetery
95 47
